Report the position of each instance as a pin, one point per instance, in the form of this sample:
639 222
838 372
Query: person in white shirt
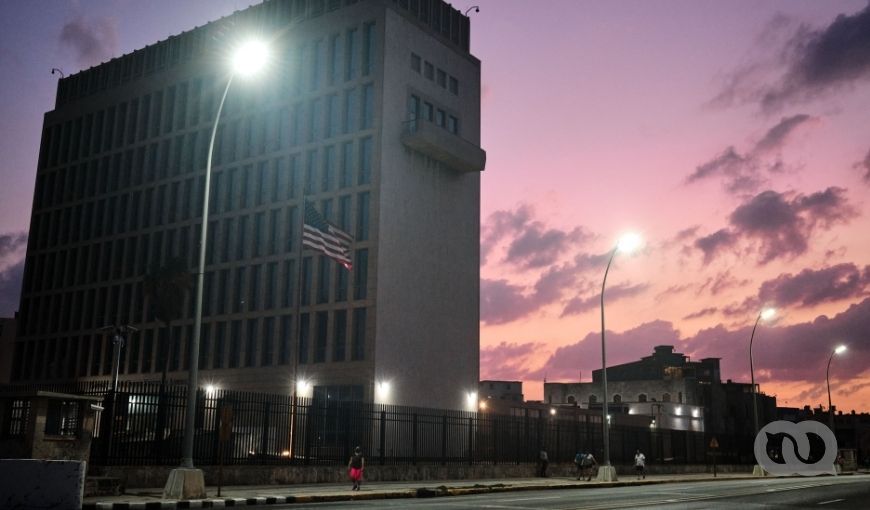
640 464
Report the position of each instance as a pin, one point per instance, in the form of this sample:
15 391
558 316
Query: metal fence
143 424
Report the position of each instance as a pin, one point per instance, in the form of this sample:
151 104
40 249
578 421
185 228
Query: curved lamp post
247 60
765 314
839 350
627 244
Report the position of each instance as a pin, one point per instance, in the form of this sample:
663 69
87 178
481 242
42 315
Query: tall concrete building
370 109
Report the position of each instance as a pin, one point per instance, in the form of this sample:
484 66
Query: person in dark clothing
543 462
355 467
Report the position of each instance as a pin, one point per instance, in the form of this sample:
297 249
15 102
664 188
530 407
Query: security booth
47 425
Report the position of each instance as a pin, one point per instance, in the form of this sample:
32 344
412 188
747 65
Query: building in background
511 391
370 109
672 390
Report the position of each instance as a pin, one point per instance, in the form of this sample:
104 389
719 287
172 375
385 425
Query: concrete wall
140 477
428 271
28 484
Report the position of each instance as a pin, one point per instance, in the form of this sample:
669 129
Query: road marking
525 499
831 501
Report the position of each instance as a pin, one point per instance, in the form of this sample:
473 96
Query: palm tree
166 287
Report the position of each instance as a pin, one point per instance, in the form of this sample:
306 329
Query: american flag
319 234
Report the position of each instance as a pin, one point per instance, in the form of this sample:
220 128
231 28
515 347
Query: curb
422 492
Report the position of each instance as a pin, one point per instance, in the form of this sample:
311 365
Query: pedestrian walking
578 462
587 466
355 467
543 462
640 464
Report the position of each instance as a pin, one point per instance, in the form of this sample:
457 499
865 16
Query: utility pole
119 335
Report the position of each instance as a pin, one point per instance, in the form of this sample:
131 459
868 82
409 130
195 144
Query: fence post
414 449
264 440
444 440
470 441
383 434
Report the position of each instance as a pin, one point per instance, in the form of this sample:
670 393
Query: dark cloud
508 361
11 245
579 305
501 224
91 40
776 136
791 353
701 313
780 225
864 166
744 173
538 246
811 287
567 362
712 244
502 302
723 281
10 288
796 63
825 60
530 243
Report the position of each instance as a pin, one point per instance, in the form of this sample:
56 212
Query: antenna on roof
476 9
58 71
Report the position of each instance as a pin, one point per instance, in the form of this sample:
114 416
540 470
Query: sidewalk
271 494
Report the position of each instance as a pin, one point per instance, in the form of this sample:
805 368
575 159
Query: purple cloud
779 225
796 63
507 361
742 173
538 246
578 305
501 224
721 282
864 166
92 41
10 288
812 287
701 313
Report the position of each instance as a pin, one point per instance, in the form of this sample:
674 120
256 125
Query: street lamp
839 350
627 244
766 314
247 59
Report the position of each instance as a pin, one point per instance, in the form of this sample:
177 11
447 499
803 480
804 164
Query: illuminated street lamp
626 244
839 350
382 391
766 314
247 60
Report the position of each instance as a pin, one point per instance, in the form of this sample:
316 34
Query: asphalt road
824 493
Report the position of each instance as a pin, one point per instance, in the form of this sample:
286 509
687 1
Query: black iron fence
143 424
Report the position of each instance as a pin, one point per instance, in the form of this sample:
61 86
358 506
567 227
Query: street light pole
606 425
837 350
186 482
763 314
626 243
193 356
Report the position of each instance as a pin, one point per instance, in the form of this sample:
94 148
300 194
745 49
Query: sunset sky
733 136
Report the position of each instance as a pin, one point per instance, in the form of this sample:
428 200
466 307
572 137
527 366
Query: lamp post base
606 474
758 471
185 483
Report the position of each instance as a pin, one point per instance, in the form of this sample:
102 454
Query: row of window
238 238
335 336
244 289
436 74
421 109
210 38
617 398
321 118
234 189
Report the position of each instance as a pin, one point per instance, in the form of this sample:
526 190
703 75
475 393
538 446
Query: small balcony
436 142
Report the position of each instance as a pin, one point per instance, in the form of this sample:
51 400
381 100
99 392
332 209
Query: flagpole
298 315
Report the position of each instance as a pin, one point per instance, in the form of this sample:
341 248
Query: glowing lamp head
768 313
210 389
302 386
250 58
483 405
628 242
383 389
552 412
840 349
471 399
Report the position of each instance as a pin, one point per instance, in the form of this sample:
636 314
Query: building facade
8 331
673 391
369 109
